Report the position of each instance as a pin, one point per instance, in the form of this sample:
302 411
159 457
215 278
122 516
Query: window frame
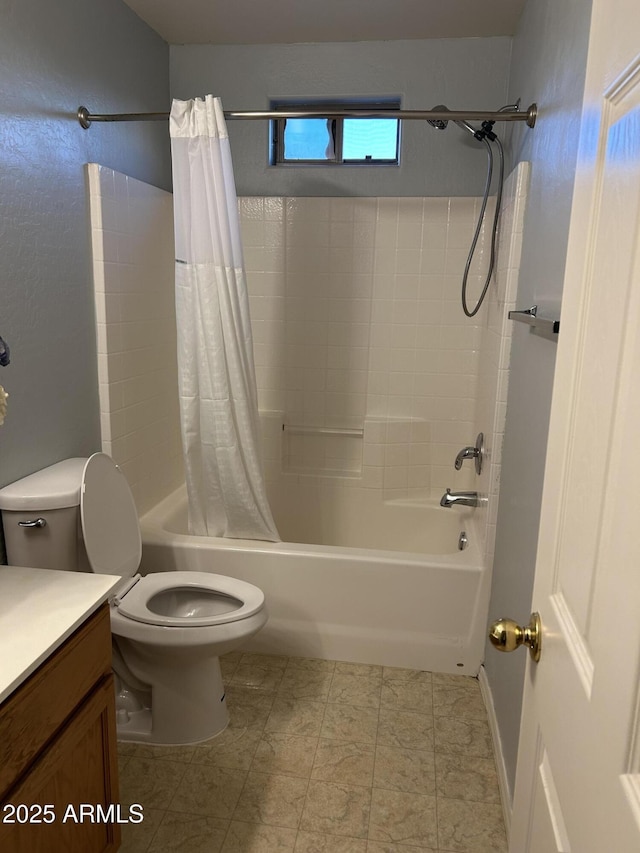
277 128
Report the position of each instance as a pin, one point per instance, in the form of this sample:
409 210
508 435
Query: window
335 141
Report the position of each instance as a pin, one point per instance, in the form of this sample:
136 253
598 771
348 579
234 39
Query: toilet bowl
168 628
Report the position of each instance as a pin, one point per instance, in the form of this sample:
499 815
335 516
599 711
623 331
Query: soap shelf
540 324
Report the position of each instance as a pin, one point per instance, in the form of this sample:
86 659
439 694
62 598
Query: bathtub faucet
461 498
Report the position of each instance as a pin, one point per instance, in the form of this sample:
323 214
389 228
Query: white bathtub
415 601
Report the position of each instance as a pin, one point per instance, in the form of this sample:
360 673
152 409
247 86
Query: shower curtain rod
529 116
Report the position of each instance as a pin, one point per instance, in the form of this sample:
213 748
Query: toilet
168 628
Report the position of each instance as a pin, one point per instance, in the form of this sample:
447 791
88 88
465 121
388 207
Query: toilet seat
111 534
213 589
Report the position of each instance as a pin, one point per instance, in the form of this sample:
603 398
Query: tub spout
460 498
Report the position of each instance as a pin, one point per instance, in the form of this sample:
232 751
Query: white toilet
168 628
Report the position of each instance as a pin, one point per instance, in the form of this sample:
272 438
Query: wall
461 73
54 56
132 242
549 57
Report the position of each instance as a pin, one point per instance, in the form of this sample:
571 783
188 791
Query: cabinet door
79 767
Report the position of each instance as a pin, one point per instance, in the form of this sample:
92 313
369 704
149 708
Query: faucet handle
476 453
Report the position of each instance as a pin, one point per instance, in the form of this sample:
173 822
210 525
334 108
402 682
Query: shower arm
85 118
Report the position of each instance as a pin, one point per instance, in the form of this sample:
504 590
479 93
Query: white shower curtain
218 397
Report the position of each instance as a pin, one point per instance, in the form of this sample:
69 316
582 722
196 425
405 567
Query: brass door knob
506 635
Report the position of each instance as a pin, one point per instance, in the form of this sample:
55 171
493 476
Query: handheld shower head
439 124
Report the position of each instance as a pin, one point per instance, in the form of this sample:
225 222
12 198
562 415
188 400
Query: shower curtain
216 374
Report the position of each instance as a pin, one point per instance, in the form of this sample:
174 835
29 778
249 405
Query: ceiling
294 21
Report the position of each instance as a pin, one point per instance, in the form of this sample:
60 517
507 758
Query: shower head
440 124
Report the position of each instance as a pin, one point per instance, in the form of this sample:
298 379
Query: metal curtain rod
86 118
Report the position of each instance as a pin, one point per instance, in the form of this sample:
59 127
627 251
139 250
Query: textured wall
48 66
549 57
462 73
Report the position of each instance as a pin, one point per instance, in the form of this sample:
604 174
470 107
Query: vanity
58 758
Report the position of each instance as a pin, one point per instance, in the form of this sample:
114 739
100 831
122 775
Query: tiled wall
356 319
132 244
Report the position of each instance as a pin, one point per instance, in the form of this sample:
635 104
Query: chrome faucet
476 453
461 498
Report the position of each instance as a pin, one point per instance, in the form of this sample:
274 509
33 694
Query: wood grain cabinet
58 759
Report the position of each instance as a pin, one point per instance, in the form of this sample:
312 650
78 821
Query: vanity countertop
39 609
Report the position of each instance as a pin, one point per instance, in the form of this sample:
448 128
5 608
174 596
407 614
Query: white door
578 780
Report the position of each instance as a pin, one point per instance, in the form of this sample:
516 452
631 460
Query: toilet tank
51 496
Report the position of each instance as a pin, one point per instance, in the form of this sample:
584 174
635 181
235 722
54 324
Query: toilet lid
109 518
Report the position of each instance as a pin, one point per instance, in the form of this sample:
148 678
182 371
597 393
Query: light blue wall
54 56
549 60
461 73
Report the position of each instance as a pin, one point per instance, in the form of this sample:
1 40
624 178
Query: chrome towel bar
530 317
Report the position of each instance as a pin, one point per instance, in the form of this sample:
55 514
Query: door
578 780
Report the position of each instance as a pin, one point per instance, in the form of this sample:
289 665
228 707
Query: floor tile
405 729
295 716
387 847
411 770
362 690
360 669
258 838
344 761
463 777
407 695
458 736
399 674
318 842
350 723
149 782
234 748
312 664
465 827
452 701
136 837
336 809
305 684
189 834
272 661
273 799
248 708
255 675
211 791
289 755
403 818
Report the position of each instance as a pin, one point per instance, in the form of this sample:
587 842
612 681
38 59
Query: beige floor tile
289 755
386 847
458 736
210 791
362 690
312 664
295 716
463 682
232 748
403 818
361 669
189 834
405 729
167 753
126 749
336 809
305 684
407 695
350 723
452 701
258 838
465 827
273 661
248 708
136 837
411 770
463 777
149 782
273 799
254 675
399 674
228 664
318 842
344 761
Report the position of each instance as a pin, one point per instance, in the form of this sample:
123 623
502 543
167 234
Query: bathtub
411 599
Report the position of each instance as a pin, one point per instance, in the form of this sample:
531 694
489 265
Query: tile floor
324 757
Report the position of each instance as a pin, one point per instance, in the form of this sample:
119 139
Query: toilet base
188 706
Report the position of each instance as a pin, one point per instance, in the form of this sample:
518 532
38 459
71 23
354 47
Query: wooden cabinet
58 751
